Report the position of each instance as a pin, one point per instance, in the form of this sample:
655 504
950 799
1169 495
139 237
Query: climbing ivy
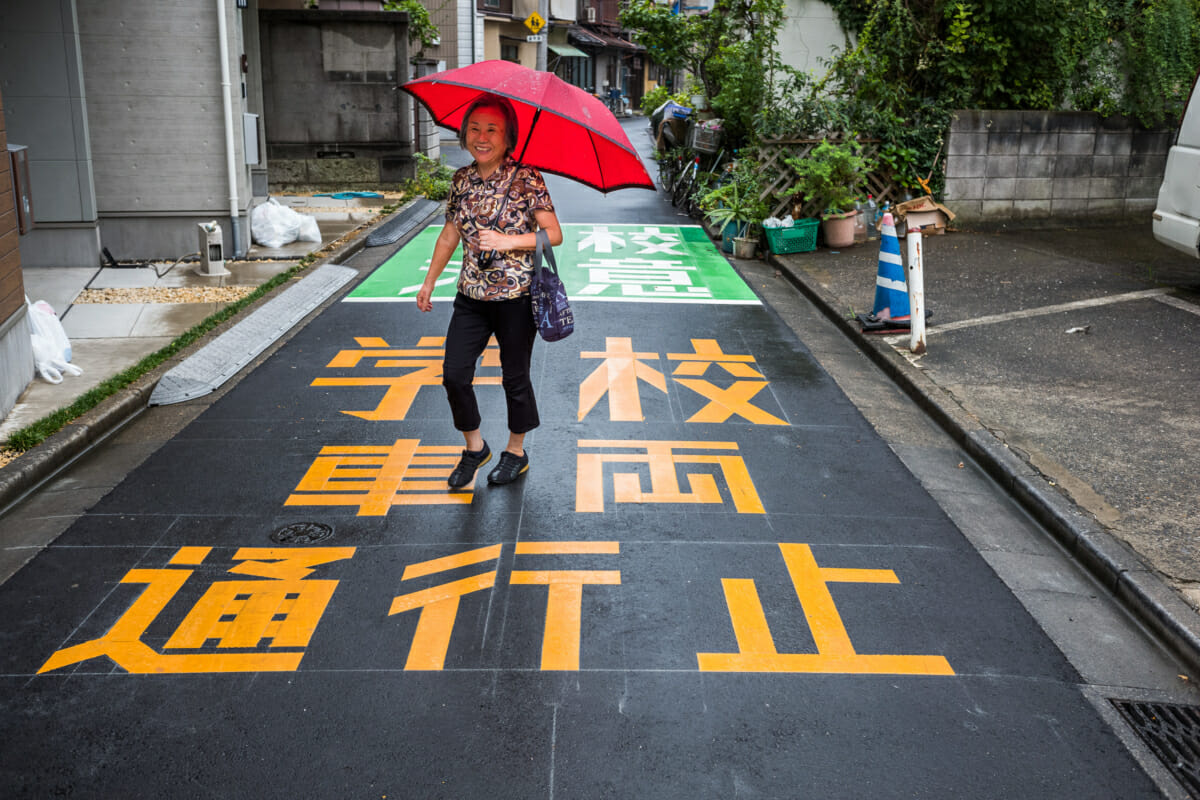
1133 57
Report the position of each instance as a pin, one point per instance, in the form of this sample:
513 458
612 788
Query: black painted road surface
715 582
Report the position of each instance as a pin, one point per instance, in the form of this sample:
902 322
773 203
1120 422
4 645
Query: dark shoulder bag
551 312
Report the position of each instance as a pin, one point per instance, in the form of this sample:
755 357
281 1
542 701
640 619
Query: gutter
227 102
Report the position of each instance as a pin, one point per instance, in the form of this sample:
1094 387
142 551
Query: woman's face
486 137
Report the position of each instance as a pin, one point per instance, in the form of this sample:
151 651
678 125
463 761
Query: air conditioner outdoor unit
591 15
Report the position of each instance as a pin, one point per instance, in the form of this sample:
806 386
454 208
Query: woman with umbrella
495 208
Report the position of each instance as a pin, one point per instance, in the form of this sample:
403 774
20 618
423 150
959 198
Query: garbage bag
51 347
273 224
310 231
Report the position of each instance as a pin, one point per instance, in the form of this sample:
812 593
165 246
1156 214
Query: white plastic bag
310 231
51 347
273 224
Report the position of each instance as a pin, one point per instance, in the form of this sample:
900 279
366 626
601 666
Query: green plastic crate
800 238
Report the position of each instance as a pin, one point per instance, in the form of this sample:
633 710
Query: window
575 71
510 52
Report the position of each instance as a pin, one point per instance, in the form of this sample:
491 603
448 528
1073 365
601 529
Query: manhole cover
1173 733
302 533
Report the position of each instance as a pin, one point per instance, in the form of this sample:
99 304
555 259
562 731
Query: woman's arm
447 241
546 220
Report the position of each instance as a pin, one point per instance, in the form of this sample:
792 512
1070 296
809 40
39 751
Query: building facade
16 350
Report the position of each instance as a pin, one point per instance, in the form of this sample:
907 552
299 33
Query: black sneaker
470 462
509 469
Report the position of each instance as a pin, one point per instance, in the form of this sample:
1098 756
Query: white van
1177 216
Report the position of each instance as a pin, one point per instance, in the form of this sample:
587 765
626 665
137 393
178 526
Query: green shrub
432 179
659 95
831 175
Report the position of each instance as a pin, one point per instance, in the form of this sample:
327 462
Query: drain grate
391 231
1173 733
302 533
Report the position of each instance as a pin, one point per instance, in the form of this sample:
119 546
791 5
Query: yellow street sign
535 22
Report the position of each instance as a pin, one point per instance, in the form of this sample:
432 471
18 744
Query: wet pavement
1080 351
107 338
726 574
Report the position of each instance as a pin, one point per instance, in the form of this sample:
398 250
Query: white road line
1176 302
1157 294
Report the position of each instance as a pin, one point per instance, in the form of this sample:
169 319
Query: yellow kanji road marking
240 614
835 652
375 478
662 460
426 364
618 376
724 403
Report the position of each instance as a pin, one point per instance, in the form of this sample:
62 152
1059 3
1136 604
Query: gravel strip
164 294
7 457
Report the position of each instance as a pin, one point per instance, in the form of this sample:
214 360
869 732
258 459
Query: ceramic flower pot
839 229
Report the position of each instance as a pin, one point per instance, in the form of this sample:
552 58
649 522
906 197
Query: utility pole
544 10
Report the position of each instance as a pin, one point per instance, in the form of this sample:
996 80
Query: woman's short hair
498 103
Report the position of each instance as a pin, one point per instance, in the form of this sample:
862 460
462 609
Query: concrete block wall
1050 168
329 89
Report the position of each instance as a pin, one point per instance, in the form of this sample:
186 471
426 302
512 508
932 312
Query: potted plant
830 175
735 203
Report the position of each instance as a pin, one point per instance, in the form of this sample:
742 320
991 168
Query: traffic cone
891 293
891 312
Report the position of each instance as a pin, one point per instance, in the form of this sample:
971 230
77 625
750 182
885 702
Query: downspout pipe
227 102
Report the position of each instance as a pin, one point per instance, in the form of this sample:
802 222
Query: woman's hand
424 301
494 240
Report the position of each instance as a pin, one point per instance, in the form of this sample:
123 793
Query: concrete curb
39 464
1137 586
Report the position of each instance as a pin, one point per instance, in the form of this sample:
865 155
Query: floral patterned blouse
472 207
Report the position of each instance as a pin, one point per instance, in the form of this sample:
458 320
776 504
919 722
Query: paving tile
124 278
101 320
58 286
172 319
100 359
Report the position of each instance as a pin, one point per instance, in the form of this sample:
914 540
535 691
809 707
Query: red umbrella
563 129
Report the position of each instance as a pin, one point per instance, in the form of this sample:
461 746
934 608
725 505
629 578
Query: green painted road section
608 263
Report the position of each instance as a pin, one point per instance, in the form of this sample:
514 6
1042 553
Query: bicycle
670 166
685 183
703 180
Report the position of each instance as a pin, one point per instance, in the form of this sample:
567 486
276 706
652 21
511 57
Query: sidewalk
1098 400
109 335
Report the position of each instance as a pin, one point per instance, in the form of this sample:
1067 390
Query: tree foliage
731 51
420 26
916 61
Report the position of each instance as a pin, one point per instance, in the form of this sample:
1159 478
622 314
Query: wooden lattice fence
770 155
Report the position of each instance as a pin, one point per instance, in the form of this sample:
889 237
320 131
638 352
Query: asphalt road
718 579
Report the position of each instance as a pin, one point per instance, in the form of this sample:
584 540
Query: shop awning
567 50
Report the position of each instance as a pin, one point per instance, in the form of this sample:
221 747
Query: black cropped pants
471 325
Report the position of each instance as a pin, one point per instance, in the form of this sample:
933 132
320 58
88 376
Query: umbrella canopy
562 129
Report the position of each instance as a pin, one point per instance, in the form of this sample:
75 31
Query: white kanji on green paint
613 263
